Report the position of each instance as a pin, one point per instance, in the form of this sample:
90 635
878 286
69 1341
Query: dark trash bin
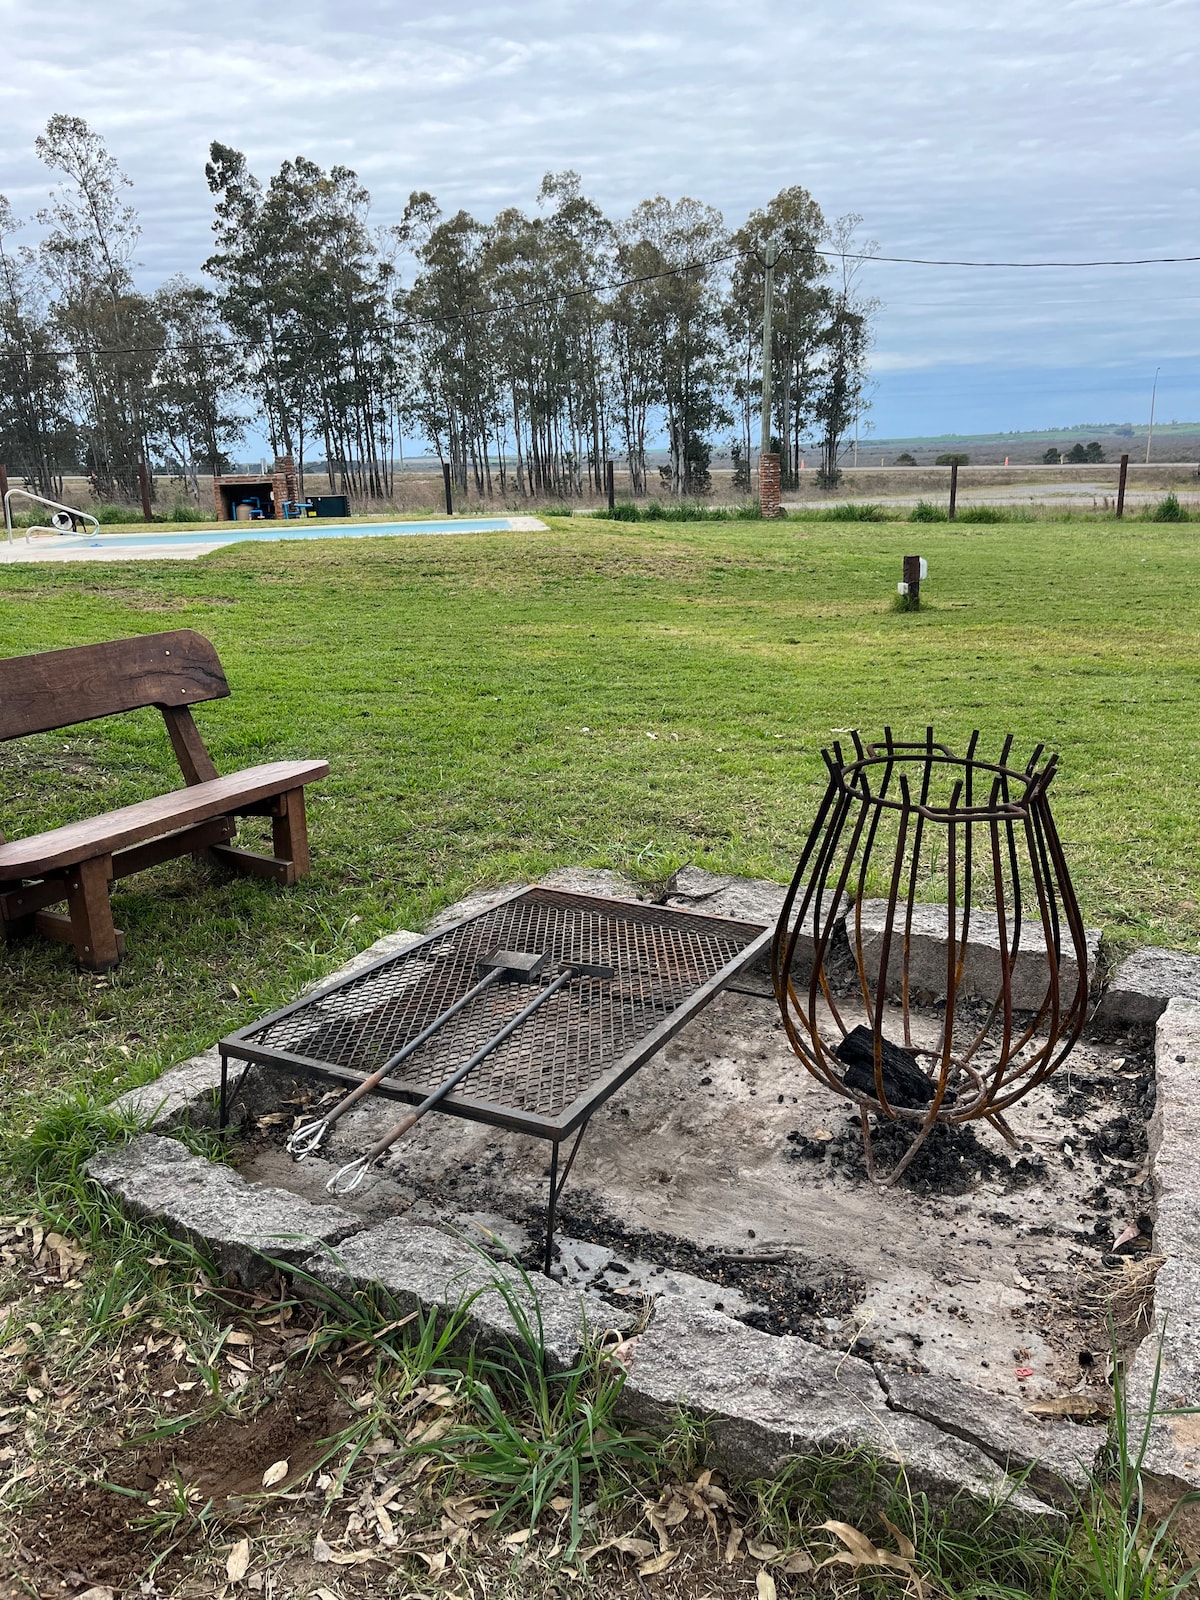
331 505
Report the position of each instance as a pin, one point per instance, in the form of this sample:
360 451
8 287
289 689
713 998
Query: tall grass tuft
681 511
1130 1551
1169 509
926 511
531 1435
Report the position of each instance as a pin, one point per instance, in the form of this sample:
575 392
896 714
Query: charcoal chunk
904 1083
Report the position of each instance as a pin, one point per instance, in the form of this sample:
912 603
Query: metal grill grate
565 1058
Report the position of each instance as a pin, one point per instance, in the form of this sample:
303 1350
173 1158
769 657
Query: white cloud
1028 131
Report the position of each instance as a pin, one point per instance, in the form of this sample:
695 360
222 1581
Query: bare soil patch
106 1532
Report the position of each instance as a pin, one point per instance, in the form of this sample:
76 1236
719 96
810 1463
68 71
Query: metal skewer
511 964
346 1179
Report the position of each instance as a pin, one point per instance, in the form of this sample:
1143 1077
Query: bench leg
289 833
289 836
89 922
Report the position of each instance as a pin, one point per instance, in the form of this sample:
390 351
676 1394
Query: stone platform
766 1395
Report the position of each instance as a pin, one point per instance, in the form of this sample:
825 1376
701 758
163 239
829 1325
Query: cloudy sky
1017 130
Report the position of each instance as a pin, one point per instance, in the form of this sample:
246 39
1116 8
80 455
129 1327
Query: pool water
262 533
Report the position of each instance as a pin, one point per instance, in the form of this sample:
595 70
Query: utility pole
1153 393
768 461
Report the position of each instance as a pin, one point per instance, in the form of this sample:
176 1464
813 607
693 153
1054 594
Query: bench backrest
59 687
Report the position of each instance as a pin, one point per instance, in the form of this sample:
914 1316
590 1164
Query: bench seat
79 861
150 819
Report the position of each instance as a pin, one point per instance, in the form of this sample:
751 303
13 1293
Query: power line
465 313
927 261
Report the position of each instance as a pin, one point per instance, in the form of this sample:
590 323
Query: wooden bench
76 863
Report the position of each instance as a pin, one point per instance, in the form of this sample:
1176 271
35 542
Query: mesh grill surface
660 958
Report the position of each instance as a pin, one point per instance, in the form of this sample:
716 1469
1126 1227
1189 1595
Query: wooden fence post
912 580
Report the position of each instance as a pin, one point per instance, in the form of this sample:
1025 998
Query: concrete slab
205 1202
981 969
1140 987
768 1400
420 1268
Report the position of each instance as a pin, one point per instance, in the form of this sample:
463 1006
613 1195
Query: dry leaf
675 1513
239 1561
1083 1407
517 1538
324 1594
800 1562
860 1552
560 1503
275 1473
648 1569
904 1544
625 1543
765 1584
320 1550
732 1543
100 1592
762 1552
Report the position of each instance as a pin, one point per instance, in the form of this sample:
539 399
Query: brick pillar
221 517
768 484
283 482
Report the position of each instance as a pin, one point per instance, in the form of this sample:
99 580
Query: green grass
635 697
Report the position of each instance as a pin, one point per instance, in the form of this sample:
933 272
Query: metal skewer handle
310 1136
346 1179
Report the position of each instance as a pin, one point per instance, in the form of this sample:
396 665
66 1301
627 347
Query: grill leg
551 1210
557 1185
226 1097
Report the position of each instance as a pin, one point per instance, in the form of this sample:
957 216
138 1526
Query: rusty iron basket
950 847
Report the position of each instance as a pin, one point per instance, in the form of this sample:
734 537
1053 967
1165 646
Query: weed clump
1169 509
926 511
868 513
682 511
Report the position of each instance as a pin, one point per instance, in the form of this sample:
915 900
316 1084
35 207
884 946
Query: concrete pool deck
188 544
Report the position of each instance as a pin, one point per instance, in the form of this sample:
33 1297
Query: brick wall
768 485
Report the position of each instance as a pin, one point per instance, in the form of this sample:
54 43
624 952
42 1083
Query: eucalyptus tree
195 425
841 383
38 438
310 301
458 398
792 223
675 253
111 330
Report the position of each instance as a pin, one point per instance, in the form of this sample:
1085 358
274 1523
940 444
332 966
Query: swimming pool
250 531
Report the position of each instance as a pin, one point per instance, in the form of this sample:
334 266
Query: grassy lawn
636 697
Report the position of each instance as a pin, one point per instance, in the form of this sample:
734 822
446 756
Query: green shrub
950 458
857 514
682 511
182 511
1169 509
109 513
982 514
925 511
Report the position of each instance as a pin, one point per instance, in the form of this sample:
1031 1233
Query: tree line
527 351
